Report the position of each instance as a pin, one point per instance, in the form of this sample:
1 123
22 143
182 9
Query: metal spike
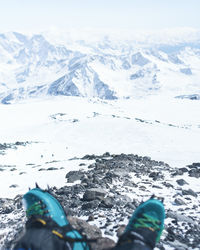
48 188
142 201
36 185
29 188
153 196
162 199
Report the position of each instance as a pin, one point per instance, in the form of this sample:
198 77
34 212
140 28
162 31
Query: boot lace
37 208
147 221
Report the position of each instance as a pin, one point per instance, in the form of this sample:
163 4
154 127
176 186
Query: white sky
38 15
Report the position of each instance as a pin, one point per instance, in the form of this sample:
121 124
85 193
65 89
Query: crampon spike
162 199
153 196
36 185
142 201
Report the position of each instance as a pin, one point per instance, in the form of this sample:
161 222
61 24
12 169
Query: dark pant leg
132 246
134 241
41 239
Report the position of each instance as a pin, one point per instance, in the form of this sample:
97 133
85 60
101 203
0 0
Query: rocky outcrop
5 146
107 194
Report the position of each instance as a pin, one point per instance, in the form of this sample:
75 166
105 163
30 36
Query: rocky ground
106 192
6 146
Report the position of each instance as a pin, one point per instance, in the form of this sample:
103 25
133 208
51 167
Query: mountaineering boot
39 202
145 226
43 208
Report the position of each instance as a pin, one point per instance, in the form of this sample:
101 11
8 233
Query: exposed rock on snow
110 191
94 194
73 176
191 97
181 182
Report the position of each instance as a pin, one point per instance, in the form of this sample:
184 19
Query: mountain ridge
34 66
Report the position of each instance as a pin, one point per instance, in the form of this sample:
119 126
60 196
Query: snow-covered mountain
38 65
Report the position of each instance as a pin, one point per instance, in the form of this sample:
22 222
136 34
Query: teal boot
41 204
146 224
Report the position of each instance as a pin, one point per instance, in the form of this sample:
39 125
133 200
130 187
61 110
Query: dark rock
156 175
13 186
156 186
118 172
22 173
184 170
120 230
93 194
130 205
189 192
194 170
122 200
6 209
195 164
91 217
107 202
92 165
89 157
90 205
107 154
20 143
179 202
91 232
85 228
103 244
52 168
69 211
13 169
181 182
166 184
76 189
194 173
73 176
128 183
143 188
179 217
75 203
108 232
171 234
18 201
178 172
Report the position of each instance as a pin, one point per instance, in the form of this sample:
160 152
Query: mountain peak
105 68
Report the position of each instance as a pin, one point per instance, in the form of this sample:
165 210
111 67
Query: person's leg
40 239
144 228
47 226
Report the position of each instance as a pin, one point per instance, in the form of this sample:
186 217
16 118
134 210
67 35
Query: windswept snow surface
61 128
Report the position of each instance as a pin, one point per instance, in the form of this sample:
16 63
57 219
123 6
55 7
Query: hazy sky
33 15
